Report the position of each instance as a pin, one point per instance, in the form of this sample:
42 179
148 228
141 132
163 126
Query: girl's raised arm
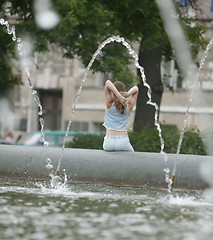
108 90
133 94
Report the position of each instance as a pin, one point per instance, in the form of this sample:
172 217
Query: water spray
25 66
11 30
22 53
121 40
202 61
172 26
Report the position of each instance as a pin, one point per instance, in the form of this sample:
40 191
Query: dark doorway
51 102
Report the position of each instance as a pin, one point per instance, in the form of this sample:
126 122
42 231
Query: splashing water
22 53
196 81
121 40
56 182
56 179
49 164
183 56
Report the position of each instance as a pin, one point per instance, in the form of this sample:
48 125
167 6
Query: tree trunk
150 60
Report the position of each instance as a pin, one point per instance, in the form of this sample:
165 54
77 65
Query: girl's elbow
108 82
136 90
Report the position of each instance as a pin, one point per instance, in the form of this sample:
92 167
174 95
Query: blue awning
212 6
184 2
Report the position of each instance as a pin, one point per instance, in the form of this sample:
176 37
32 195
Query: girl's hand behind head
124 94
122 100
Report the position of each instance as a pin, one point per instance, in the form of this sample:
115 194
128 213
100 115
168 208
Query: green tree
9 75
85 24
148 141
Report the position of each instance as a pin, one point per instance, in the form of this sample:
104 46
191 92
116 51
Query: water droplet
19 46
36 98
47 19
40 113
49 165
56 181
41 121
46 144
30 84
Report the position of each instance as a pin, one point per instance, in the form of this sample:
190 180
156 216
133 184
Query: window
51 102
79 126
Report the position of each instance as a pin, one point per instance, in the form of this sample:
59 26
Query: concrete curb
100 167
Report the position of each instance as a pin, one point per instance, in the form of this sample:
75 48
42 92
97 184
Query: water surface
33 210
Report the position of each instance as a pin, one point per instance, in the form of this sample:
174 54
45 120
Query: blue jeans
117 143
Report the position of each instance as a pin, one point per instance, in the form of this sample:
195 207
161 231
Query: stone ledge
96 166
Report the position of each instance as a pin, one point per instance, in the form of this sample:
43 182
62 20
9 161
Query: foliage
87 141
85 24
7 77
148 141
193 142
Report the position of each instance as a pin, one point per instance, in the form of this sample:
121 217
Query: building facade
57 81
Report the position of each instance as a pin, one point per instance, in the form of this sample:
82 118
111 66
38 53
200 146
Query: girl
119 105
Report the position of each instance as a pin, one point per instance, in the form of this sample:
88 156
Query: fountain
25 65
46 153
55 177
121 40
102 202
189 71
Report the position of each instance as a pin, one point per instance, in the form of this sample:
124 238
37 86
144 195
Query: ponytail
121 108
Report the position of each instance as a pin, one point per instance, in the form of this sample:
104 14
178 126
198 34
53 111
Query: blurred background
59 39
